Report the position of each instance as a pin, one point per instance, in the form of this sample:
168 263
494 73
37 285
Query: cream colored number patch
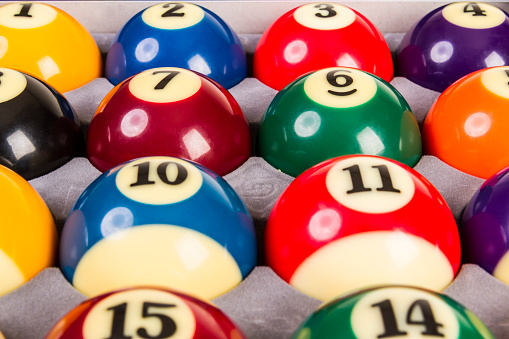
324 16
140 313
496 80
165 84
474 15
370 185
26 15
173 15
403 313
159 180
12 84
340 87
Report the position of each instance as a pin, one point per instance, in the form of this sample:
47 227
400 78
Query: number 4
476 9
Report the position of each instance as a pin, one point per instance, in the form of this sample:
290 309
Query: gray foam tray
263 305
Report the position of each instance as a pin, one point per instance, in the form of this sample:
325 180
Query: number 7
162 84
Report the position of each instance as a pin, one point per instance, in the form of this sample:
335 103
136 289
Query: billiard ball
453 41
28 236
392 312
484 227
145 313
47 43
169 111
359 220
39 130
337 111
158 221
177 34
316 36
467 125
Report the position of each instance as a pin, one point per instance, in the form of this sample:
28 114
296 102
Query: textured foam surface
263 305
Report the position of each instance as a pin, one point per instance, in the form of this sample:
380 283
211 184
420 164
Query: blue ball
177 35
159 221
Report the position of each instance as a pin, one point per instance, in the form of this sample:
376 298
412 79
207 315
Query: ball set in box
171 221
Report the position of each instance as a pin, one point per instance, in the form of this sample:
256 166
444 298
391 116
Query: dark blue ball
177 35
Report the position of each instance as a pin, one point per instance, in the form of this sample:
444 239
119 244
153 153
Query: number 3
326 7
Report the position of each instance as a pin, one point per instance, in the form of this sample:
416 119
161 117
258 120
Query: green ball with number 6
333 112
393 312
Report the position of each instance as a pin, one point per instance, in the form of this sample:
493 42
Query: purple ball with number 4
453 41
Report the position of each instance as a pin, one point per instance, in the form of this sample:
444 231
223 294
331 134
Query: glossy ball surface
334 112
484 227
145 313
392 312
39 129
28 236
158 221
177 34
467 125
169 111
45 42
361 211
316 36
453 41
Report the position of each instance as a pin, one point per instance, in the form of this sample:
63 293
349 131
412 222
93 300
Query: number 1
24 11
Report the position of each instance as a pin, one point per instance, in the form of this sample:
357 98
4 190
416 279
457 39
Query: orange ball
467 125
47 43
28 236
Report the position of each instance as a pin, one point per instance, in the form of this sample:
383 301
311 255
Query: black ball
39 130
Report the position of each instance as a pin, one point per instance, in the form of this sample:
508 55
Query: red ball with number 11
360 220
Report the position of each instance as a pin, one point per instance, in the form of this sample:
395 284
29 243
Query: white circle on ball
12 84
324 16
165 84
474 15
407 310
340 87
173 15
136 310
370 184
26 15
496 80
159 180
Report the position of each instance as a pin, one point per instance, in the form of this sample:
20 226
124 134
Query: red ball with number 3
356 221
145 313
316 36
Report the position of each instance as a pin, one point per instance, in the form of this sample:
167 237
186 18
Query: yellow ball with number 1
45 42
